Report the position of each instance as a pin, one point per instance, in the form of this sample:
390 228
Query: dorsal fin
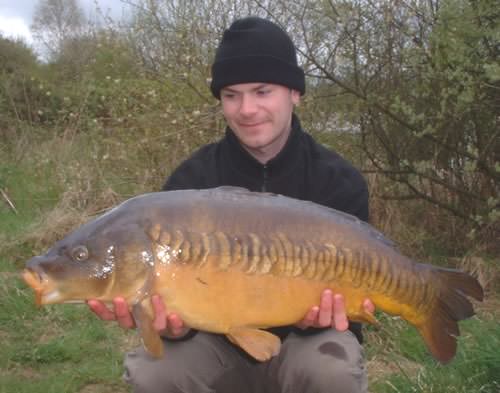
232 188
244 191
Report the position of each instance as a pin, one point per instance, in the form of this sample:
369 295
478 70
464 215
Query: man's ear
295 94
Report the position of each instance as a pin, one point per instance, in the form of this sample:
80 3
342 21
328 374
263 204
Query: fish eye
80 253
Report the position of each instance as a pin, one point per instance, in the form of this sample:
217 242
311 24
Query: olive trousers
329 361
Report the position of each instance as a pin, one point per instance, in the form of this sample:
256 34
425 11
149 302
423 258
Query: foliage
408 91
17 61
417 83
15 55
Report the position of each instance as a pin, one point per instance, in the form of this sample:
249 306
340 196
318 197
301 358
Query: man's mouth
251 125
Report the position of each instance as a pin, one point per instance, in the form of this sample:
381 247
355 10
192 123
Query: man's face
260 115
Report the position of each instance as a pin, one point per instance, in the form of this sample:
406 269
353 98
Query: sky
16 15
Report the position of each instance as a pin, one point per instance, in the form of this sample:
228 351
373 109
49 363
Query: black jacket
304 169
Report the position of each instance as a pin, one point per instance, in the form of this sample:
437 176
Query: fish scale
254 258
234 262
380 272
254 255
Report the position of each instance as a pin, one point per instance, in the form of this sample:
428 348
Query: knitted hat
256 50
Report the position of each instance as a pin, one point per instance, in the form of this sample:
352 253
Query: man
256 77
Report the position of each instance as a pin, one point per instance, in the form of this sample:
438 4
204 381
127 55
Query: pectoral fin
150 338
258 343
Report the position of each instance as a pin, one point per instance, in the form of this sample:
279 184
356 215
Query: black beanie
256 50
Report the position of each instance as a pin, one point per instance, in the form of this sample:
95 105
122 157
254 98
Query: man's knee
339 376
328 362
193 365
147 375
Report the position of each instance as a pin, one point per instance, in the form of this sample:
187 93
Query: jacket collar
282 163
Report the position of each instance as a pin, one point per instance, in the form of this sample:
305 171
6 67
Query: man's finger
310 318
368 306
123 315
325 309
339 320
175 324
100 309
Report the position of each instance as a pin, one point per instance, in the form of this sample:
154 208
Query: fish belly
216 300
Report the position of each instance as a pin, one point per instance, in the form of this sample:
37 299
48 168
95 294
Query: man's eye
263 92
80 253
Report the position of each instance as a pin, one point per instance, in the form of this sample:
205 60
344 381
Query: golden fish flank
234 262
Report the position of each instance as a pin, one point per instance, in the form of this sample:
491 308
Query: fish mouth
39 282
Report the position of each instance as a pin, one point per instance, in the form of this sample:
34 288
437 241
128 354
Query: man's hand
331 312
165 323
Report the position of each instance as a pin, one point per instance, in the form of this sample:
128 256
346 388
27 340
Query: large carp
234 262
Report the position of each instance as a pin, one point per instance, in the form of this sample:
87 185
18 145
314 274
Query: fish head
100 260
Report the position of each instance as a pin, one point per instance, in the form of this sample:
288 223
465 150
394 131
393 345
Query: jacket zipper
265 175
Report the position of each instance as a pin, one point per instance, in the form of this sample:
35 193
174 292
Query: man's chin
252 138
252 143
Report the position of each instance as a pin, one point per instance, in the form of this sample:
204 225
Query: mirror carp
235 262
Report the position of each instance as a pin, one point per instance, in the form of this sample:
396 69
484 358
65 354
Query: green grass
31 190
476 367
58 349
55 348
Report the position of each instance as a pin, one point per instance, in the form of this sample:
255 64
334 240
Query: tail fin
440 330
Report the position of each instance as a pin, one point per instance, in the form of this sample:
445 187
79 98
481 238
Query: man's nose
248 105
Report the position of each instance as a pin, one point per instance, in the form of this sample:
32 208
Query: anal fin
151 339
363 316
258 343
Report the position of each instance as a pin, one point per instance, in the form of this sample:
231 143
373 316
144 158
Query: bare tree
176 39
56 21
